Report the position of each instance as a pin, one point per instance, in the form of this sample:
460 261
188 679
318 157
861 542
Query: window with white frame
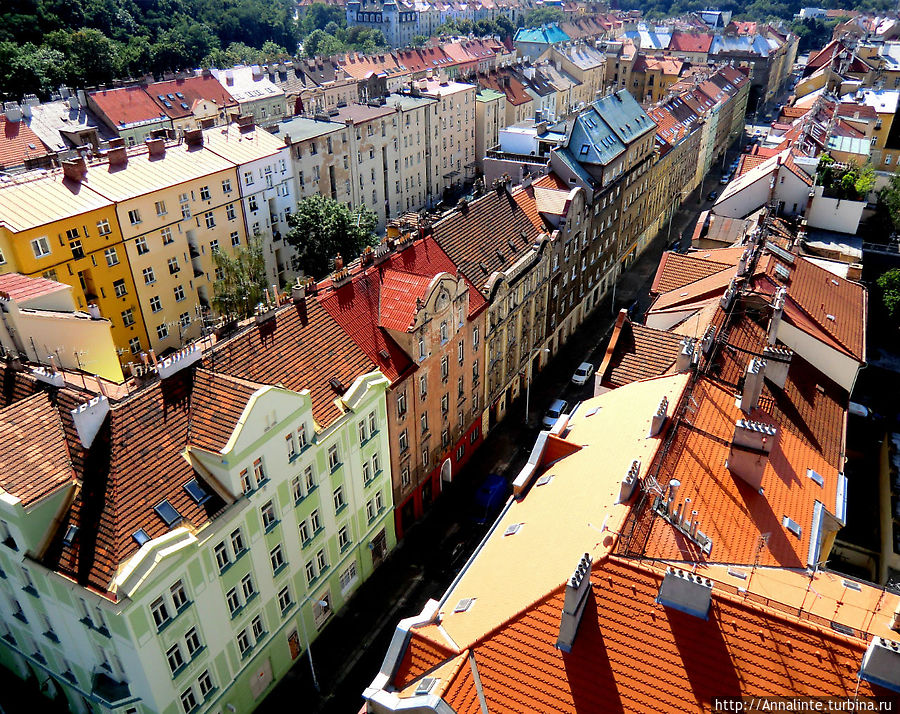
333 461
269 516
276 558
338 498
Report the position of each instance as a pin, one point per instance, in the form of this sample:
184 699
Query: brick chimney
75 169
778 362
117 156
683 361
156 147
193 137
750 448
753 384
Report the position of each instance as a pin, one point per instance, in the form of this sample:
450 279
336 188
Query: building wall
452 134
122 640
374 144
410 176
490 117
842 368
833 214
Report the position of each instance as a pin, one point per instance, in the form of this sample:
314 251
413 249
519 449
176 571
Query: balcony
111 692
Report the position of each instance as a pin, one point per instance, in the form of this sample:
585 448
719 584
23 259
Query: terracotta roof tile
478 239
303 347
33 451
217 403
22 288
690 42
637 352
421 656
192 89
399 292
551 180
16 142
126 105
678 269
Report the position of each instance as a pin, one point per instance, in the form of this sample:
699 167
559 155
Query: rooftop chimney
298 292
629 482
778 362
683 361
686 592
117 156
577 590
750 448
777 312
709 337
94 311
178 361
338 262
156 147
13 111
728 296
193 137
753 383
881 663
75 169
88 419
659 418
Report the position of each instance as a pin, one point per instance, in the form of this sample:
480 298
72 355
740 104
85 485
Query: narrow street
349 651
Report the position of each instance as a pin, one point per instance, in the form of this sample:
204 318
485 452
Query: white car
583 373
553 413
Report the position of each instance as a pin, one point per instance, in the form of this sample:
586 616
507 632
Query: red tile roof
399 293
22 288
303 347
18 143
488 235
678 269
690 42
126 105
637 352
217 403
33 451
193 89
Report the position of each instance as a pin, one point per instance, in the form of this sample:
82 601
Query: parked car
489 497
583 373
725 179
712 195
556 409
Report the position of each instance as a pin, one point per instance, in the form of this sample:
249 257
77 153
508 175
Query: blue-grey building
398 22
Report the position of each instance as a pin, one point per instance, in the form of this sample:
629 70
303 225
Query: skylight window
544 480
792 526
196 491
167 512
815 476
140 536
71 532
425 685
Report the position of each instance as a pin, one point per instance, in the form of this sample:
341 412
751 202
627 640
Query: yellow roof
241 147
144 174
561 520
43 198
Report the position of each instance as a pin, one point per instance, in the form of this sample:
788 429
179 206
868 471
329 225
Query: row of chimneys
117 155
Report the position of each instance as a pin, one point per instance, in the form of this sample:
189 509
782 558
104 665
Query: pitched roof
690 42
302 347
490 235
33 451
217 403
678 269
176 97
400 292
21 288
637 352
124 106
18 143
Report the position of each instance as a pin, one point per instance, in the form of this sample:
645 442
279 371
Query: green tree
241 287
889 286
319 15
322 228
543 16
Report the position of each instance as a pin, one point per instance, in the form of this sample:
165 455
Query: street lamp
531 355
321 603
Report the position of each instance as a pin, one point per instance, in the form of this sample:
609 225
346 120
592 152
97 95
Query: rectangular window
423 386
301 436
333 457
229 212
304 531
233 601
343 537
314 521
403 441
112 257
460 351
188 700
445 368
257 627
445 403
373 424
166 234
204 681
338 498
210 219
204 193
296 488
246 482
103 227
173 266
155 304
321 560
149 276
40 247
174 658
290 446
128 317
366 472
237 542
276 557
349 576
179 596
284 599
401 405
160 612
362 432
141 245
404 476
247 587
134 216
222 558
370 510
425 456
259 471
160 208
379 501
243 642
192 641
268 515
134 344
179 293
226 185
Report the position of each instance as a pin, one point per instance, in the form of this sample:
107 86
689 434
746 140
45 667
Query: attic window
140 536
384 354
336 384
843 629
195 491
167 512
425 685
544 480
513 529
815 476
71 532
585 148
464 604
792 526
483 268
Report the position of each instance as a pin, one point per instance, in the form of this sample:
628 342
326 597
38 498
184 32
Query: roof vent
881 664
792 526
577 590
512 530
778 362
425 685
464 604
89 418
337 385
815 476
659 418
686 592
167 512
750 448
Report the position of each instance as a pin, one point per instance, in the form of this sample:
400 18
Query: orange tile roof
400 292
637 352
678 269
690 42
289 350
748 162
127 105
18 143
33 451
192 90
217 403
835 305
20 287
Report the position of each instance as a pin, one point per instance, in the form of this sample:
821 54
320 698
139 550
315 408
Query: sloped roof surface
23 288
399 292
217 403
637 352
678 269
18 143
